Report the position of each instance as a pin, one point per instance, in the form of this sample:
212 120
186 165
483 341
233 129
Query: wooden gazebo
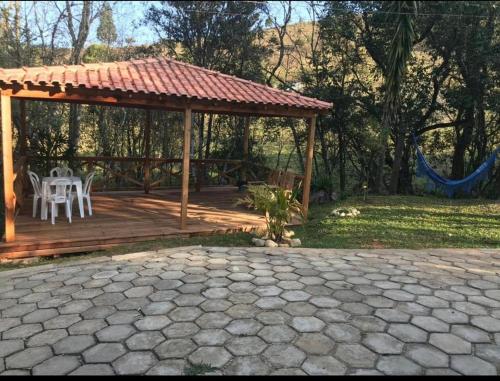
154 83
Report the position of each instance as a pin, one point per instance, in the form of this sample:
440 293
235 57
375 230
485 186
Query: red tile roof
160 76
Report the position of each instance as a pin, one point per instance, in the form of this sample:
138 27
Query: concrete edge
120 257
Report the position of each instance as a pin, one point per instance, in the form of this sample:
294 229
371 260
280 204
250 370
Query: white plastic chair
62 195
61 172
37 188
86 191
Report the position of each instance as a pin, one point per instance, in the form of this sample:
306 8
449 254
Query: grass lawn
411 222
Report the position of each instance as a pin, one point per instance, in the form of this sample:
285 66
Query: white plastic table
48 181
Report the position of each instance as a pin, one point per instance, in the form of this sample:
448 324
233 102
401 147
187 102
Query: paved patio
256 311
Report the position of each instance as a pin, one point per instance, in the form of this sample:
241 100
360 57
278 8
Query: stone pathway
256 311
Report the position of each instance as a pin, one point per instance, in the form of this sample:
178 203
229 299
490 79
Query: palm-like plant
399 53
277 204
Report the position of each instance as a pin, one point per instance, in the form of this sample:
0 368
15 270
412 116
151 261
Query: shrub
277 204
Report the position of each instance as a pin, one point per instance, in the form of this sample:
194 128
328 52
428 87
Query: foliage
198 369
277 204
106 31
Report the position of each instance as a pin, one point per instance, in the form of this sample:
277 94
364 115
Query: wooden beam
8 167
143 100
311 127
246 137
23 132
147 152
185 165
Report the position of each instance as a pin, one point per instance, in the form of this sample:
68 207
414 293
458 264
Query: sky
135 10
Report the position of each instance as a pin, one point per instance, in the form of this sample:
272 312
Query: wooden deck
124 217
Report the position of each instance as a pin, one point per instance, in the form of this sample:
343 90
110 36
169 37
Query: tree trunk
463 141
398 156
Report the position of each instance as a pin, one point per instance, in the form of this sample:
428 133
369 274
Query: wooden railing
149 173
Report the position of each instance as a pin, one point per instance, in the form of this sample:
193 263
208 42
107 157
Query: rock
288 234
295 242
258 242
283 245
270 243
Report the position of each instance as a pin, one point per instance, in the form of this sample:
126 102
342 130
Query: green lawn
385 222
405 222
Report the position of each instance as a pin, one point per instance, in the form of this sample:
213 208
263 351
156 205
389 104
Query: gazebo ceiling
156 83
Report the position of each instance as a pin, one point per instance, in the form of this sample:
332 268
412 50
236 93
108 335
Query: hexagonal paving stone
62 321
185 314
39 316
28 358
489 352
295 296
300 309
314 343
450 315
369 323
168 368
407 333
270 303
398 365
392 315
175 348
323 365
355 355
58 365
145 340
10 346
427 356
217 293
244 327
247 366
214 356
284 356
47 337
487 323
470 365
245 346
430 324
134 363
189 300
307 324
343 333
213 320
152 323
277 334
73 344
383 343
211 337
176 330
104 353
139 292
333 315
93 370
450 343
115 333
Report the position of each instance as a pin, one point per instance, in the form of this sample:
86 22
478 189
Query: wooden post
246 136
147 152
308 167
186 150
199 175
23 132
8 168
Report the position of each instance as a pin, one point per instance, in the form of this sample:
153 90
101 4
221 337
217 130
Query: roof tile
161 76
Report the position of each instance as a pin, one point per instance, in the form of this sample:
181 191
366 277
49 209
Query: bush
277 204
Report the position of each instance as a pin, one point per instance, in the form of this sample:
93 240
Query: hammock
450 187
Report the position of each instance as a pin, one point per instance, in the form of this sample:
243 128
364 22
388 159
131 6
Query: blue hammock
450 187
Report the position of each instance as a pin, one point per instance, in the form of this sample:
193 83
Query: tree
400 51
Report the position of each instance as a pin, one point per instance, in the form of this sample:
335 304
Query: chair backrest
35 181
63 188
287 180
61 171
88 183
